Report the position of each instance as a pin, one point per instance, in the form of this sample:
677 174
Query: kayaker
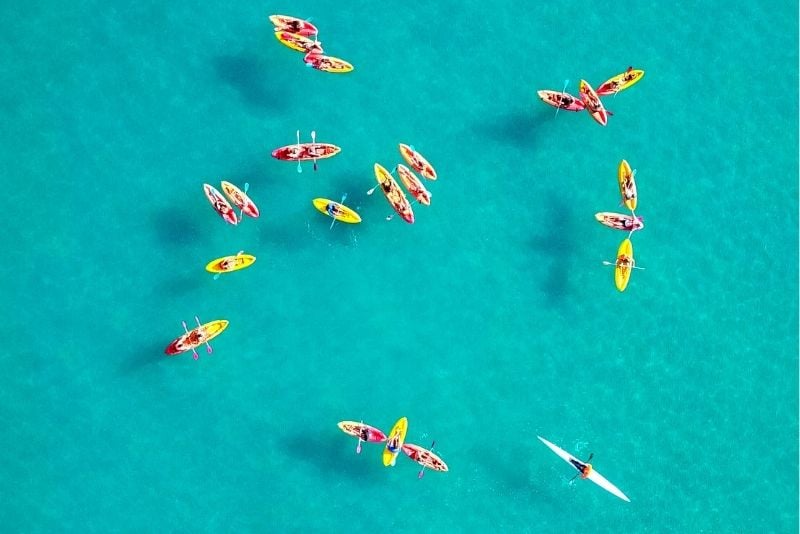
229 263
333 211
583 468
393 442
364 434
628 74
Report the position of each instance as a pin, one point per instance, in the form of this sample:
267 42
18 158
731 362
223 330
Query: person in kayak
629 75
333 211
230 263
583 468
364 434
393 442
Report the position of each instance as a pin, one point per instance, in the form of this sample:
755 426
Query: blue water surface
487 322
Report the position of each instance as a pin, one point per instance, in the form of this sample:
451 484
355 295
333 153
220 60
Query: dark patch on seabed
517 127
340 458
175 226
555 245
251 77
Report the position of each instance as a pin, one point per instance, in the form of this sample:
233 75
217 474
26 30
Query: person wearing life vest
584 469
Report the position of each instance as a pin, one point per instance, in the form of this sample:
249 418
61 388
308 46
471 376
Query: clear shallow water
488 321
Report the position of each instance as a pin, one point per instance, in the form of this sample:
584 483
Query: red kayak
305 151
360 430
618 221
424 457
285 23
561 100
592 104
220 205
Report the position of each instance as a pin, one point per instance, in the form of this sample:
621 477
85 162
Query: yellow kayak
394 444
627 185
298 42
338 211
624 264
228 264
620 82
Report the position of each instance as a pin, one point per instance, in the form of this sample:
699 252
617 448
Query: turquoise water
487 322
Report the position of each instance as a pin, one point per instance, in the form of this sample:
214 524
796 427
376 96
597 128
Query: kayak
624 264
292 25
394 194
338 211
627 185
395 442
592 103
417 162
220 205
593 475
327 63
620 82
561 100
228 264
414 185
305 151
298 42
370 434
194 338
618 221
424 457
240 199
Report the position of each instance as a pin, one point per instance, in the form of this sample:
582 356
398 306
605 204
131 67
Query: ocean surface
487 322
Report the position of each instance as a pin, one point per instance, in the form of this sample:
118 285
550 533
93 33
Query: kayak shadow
250 76
516 127
144 357
333 455
175 226
555 248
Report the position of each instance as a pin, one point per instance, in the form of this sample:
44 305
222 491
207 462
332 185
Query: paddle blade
216 276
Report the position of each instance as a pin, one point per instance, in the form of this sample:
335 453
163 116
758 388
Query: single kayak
298 42
305 151
293 25
327 63
424 457
220 205
394 442
414 185
367 433
620 82
228 264
337 210
581 467
592 103
240 199
561 100
194 338
619 221
624 264
417 162
627 185
397 199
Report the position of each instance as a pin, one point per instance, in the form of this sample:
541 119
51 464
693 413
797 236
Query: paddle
299 167
241 213
334 218
216 276
358 447
566 82
422 471
629 266
194 352
209 350
313 147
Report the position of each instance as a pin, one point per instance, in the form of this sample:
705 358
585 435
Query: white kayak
594 476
